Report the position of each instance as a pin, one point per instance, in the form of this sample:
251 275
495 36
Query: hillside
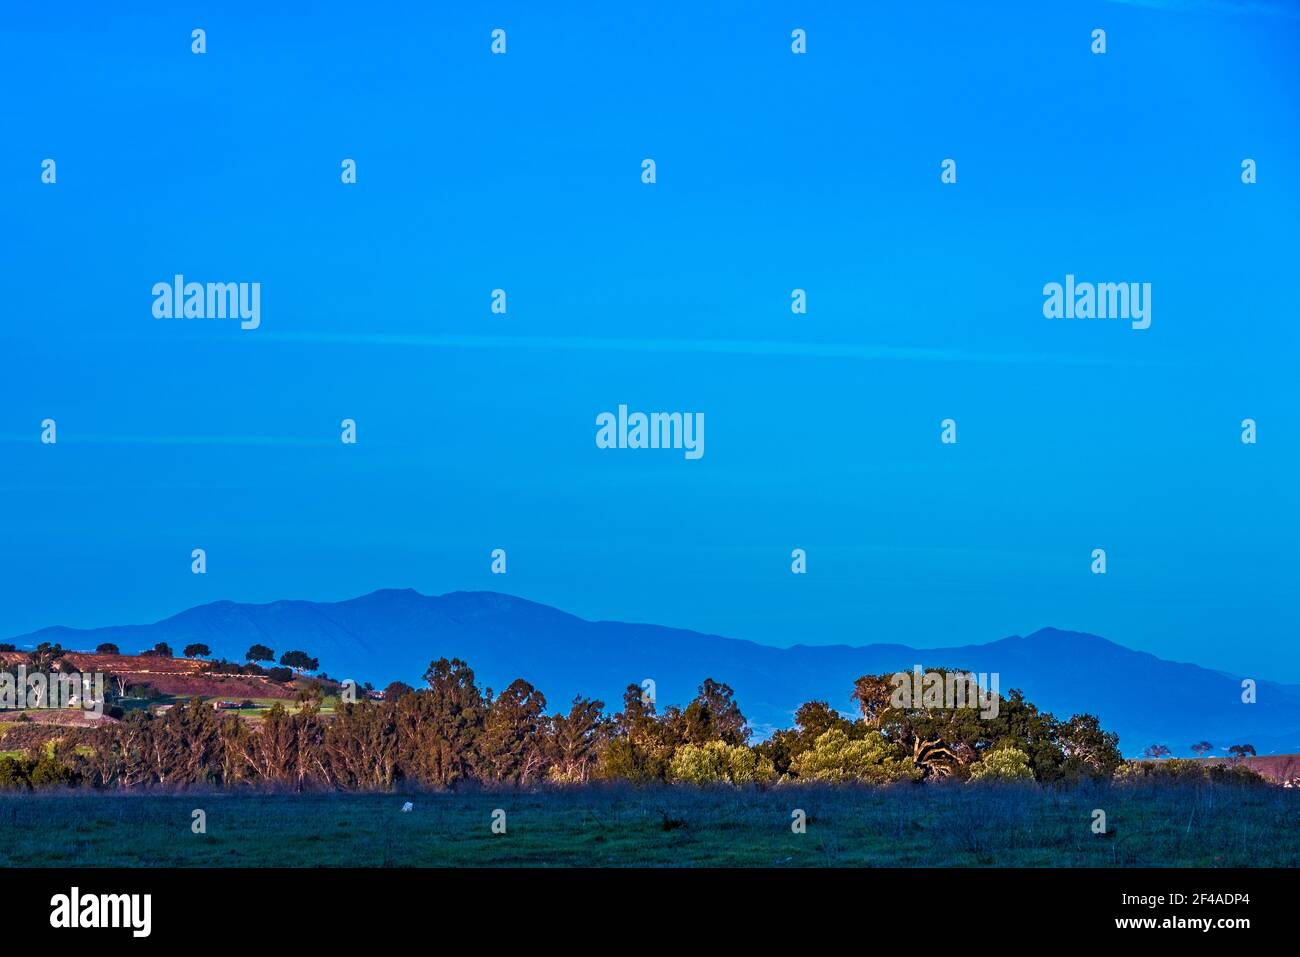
176 677
394 634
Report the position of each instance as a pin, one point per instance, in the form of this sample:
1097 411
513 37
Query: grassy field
48 748
914 826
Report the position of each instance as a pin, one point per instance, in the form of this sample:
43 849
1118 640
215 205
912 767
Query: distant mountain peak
407 592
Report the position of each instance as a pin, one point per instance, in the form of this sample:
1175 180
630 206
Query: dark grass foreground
961 825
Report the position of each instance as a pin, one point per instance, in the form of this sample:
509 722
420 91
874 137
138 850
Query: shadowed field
1149 825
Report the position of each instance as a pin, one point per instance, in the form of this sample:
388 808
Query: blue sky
775 171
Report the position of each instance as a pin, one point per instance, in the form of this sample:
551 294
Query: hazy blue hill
392 634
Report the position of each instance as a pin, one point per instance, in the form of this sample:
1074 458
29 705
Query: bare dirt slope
171 676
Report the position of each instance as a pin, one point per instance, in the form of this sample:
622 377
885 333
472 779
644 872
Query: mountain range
393 634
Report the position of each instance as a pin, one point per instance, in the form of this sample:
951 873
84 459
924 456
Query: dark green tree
512 743
441 726
395 689
1088 751
642 744
574 741
45 657
714 716
299 661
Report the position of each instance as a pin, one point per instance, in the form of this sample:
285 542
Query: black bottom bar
274 906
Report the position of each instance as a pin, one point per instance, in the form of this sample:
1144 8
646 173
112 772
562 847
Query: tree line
452 733
298 661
